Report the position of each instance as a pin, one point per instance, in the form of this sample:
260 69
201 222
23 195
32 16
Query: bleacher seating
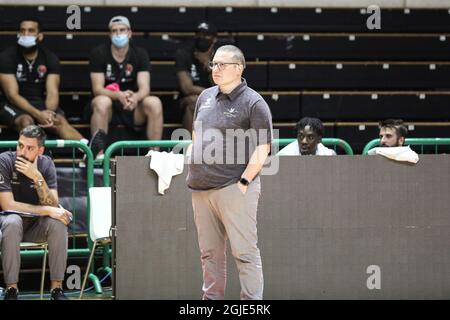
305 62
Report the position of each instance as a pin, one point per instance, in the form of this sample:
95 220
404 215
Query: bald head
235 53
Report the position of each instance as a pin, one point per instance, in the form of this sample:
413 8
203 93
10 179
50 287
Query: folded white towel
396 153
166 165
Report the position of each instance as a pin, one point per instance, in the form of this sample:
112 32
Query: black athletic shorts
9 113
119 116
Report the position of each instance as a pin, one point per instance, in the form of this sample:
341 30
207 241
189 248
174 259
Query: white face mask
27 41
120 40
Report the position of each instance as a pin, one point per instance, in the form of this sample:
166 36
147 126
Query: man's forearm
114 95
51 102
142 93
22 103
256 162
194 90
26 207
46 198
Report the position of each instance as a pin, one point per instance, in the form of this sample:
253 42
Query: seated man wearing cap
120 77
193 72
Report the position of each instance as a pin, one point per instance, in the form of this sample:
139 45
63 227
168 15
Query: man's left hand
242 188
28 168
133 101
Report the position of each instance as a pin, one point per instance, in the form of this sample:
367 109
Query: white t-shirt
396 153
292 149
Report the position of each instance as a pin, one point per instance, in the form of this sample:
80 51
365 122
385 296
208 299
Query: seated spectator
29 77
28 184
193 71
392 133
120 77
309 136
392 138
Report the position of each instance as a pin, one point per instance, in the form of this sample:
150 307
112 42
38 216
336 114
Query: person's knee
56 227
209 254
101 105
190 102
152 106
248 255
23 121
12 224
61 121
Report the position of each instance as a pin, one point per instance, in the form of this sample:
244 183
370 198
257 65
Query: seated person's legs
11 236
23 121
188 107
149 111
14 117
101 107
55 233
62 128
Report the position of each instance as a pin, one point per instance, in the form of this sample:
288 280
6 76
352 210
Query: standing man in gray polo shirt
231 140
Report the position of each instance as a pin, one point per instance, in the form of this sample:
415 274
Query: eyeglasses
220 65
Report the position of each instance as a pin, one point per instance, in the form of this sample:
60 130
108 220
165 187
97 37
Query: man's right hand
60 214
123 98
45 118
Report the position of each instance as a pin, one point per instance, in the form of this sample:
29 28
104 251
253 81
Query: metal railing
412 141
121 145
74 144
334 142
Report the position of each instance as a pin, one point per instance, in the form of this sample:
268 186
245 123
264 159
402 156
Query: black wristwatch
244 181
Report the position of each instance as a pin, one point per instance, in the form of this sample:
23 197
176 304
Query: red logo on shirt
42 70
128 70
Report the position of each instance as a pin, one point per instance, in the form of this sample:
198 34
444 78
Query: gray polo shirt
227 128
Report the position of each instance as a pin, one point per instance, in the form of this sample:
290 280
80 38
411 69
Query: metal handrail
133 144
89 182
411 141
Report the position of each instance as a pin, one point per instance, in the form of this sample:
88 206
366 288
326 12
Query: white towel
166 165
396 153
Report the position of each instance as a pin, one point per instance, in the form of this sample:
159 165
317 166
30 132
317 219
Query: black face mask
202 44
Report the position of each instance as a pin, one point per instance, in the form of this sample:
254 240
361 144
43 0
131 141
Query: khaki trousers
229 214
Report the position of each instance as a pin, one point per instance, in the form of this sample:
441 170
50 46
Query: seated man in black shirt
28 184
27 71
120 77
193 72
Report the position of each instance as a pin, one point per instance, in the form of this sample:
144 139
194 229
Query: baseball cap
207 28
119 20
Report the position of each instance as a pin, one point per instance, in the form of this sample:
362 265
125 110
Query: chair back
100 212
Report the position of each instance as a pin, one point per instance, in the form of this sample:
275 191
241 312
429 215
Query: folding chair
99 222
38 245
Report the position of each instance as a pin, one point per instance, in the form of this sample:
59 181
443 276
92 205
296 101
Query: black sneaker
98 142
57 294
10 294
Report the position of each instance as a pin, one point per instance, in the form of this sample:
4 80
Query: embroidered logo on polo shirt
19 73
206 104
42 70
128 70
230 113
194 74
108 71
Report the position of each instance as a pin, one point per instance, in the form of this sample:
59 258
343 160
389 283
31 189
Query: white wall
247 3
